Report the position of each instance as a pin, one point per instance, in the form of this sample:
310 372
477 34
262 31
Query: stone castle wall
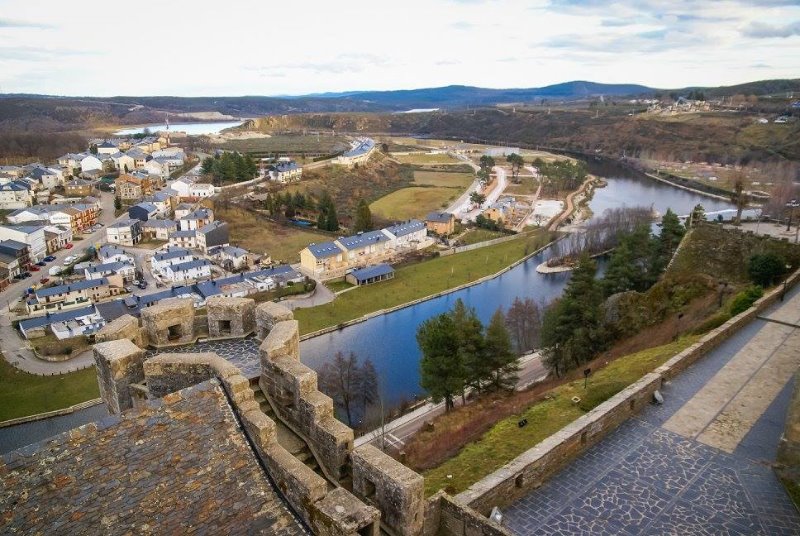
169 322
230 317
119 364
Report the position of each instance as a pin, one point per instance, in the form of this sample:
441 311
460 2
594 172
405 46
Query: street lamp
791 205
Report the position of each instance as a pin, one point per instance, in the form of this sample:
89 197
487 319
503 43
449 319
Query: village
131 222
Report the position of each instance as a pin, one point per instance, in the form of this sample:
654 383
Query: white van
69 260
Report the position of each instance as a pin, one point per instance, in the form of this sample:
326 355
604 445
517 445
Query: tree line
459 353
573 328
230 167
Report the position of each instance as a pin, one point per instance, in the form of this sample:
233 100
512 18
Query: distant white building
160 261
111 253
188 271
201 190
91 163
14 195
32 235
127 232
99 271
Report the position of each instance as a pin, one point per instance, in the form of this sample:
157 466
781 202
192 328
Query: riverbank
420 282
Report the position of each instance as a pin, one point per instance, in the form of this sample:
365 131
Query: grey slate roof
172 253
48 319
72 287
324 250
189 265
439 217
369 272
363 239
408 227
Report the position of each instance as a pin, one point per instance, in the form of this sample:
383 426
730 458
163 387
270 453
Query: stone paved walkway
241 352
647 479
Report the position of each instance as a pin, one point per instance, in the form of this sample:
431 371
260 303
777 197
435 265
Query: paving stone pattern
241 352
180 465
644 479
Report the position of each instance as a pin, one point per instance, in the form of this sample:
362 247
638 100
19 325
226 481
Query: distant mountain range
32 113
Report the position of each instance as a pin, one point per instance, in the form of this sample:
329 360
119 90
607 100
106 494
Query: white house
231 257
183 210
46 177
160 261
33 235
123 162
182 186
126 232
286 172
70 161
154 167
107 147
196 219
139 156
183 239
99 271
111 253
188 271
86 324
158 229
201 190
15 194
407 235
91 163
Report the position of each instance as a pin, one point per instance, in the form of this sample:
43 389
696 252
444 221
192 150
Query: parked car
33 268
41 263
49 258
19 277
68 260
44 280
142 285
26 275
69 245
54 270
128 289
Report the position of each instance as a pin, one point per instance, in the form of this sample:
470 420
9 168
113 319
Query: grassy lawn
336 286
50 345
443 178
419 280
505 440
479 235
263 236
413 202
289 144
427 159
528 186
23 394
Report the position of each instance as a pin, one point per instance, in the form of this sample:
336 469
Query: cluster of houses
360 151
508 212
24 186
151 155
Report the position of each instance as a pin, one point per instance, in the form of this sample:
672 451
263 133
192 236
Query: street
397 432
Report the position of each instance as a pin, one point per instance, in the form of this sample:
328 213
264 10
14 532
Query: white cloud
251 47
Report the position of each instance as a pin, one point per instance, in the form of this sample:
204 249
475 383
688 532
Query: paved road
397 432
698 464
321 296
15 349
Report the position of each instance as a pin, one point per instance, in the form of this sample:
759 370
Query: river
389 340
192 129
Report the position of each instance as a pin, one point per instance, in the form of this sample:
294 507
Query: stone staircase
287 438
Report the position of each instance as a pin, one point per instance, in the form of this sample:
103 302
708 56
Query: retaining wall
532 468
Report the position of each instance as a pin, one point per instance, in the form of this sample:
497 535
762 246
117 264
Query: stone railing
532 468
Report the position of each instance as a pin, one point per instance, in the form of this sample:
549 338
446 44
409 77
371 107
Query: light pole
791 205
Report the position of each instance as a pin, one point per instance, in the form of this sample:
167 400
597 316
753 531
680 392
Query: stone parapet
397 491
445 516
283 340
169 322
119 364
341 513
268 314
124 327
230 317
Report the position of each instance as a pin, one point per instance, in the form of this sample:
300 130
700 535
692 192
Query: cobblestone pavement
241 352
645 479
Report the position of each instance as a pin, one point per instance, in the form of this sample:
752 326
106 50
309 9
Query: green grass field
474 236
413 202
288 144
263 236
419 280
443 178
23 394
506 440
427 159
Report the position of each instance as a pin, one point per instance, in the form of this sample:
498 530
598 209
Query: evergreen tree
331 221
117 203
469 334
500 359
363 217
441 370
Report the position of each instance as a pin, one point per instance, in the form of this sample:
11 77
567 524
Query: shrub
766 269
745 299
712 323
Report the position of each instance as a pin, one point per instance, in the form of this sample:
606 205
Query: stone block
268 314
282 340
396 490
169 322
119 364
341 513
124 327
230 317
167 373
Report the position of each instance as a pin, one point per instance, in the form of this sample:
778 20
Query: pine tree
331 221
500 359
363 217
441 370
469 334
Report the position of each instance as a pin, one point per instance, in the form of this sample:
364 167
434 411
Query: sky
269 47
